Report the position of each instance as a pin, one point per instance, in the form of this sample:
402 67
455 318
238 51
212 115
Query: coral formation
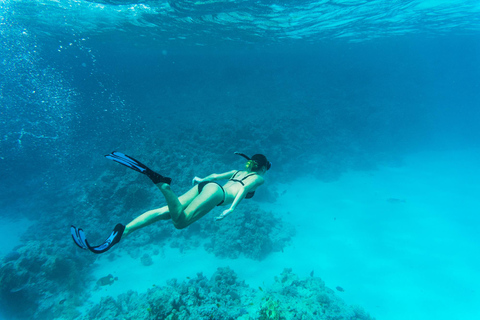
43 274
146 260
251 232
223 296
291 297
43 278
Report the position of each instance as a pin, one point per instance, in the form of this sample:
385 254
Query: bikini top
250 194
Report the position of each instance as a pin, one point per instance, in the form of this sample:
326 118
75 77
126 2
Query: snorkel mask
258 159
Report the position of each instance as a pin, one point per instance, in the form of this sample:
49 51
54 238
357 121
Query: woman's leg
182 216
174 205
162 213
146 219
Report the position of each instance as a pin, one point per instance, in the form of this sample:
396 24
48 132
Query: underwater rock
11 256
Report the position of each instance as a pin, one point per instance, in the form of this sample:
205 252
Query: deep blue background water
396 94
356 82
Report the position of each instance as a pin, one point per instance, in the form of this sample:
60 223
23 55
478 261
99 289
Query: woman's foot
157 178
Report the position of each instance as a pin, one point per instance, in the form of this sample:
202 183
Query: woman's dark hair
257 162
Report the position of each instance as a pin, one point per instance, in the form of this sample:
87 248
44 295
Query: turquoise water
368 110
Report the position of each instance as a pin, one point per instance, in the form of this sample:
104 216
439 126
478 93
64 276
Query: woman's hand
196 180
224 214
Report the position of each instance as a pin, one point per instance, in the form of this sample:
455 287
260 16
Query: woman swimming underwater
192 205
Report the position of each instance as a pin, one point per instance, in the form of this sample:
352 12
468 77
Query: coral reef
46 276
146 260
249 231
44 281
291 297
223 296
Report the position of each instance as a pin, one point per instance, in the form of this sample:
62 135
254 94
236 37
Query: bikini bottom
204 183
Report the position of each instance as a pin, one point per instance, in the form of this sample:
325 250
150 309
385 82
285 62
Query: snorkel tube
243 155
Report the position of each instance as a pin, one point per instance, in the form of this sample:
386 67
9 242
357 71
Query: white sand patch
402 242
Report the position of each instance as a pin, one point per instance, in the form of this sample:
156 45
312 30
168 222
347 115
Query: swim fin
78 237
80 240
138 166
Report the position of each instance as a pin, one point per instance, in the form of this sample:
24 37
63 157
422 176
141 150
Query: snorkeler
192 205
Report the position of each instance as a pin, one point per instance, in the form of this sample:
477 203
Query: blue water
328 90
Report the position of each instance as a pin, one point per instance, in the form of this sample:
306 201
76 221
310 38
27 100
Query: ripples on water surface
251 21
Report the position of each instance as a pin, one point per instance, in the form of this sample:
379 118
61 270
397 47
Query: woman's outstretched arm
254 184
215 176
